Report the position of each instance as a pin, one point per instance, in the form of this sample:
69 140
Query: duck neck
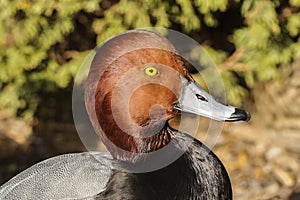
197 174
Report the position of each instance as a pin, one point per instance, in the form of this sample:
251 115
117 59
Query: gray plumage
68 176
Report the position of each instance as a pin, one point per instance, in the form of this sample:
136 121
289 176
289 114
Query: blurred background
255 44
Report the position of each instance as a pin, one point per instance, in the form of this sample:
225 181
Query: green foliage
29 32
37 51
266 39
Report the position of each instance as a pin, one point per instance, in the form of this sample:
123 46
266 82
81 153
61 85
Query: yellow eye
150 71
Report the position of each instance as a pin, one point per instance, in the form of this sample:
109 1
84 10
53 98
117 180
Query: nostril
202 98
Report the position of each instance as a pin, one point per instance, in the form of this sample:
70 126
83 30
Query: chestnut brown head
136 83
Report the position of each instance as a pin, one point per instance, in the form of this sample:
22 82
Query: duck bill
193 99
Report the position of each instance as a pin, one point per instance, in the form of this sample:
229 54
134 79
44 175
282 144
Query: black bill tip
239 115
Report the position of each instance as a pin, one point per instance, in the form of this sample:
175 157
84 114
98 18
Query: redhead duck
136 84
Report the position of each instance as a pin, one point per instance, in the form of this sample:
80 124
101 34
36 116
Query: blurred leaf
295 2
293 25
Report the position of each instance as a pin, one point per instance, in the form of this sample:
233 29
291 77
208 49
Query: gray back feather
68 176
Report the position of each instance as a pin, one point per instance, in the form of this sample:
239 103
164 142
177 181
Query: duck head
137 82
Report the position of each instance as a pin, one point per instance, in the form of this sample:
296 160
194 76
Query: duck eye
150 71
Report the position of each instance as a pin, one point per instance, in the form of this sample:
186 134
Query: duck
136 84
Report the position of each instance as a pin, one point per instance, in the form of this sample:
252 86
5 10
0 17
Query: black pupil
151 70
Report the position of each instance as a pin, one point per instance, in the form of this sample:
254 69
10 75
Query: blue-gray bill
195 100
